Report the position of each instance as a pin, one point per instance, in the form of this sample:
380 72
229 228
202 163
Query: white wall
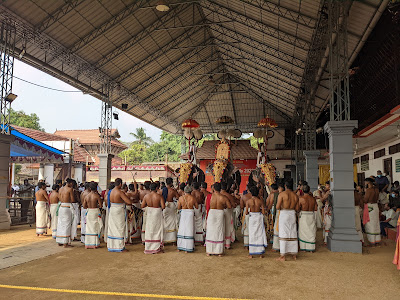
377 164
279 138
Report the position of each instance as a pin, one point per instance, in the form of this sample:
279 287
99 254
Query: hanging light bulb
162 6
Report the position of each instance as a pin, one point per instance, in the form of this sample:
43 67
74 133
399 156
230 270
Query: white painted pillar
5 141
78 170
104 170
41 172
343 236
312 168
12 174
49 174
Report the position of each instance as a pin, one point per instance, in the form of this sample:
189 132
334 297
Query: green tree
169 144
141 137
134 155
20 118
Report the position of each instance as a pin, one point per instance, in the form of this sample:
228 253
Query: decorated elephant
189 173
225 172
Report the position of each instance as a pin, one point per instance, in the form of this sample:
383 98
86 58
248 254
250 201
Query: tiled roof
39 135
240 149
90 136
81 155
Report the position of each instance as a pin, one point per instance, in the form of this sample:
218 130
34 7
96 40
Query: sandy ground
19 235
320 275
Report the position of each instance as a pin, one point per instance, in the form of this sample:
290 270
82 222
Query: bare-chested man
215 235
198 213
169 214
257 236
154 204
307 221
75 211
230 235
64 225
186 233
116 219
92 203
358 204
142 194
42 210
203 189
371 213
54 199
245 219
288 204
83 211
181 189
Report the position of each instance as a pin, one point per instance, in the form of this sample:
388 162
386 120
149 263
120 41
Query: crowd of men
156 214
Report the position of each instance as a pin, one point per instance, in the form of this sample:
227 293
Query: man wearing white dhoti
271 205
170 195
186 230
154 231
358 201
92 202
54 200
257 236
215 234
133 195
228 212
198 213
42 211
142 194
288 203
65 217
245 216
83 211
116 231
307 221
371 213
326 199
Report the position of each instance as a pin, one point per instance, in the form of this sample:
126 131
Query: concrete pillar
343 236
104 170
299 172
5 141
49 174
312 168
78 172
12 174
41 172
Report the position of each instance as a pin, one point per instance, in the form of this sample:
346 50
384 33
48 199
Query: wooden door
360 178
387 166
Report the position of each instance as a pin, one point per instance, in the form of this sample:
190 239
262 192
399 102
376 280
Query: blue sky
58 110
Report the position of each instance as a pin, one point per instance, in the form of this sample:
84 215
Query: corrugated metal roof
162 60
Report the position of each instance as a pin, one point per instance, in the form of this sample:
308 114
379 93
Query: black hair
396 192
204 185
369 180
93 186
224 186
118 181
59 181
217 186
289 184
147 185
153 186
111 186
306 188
328 182
55 187
40 184
87 185
124 186
396 182
131 187
182 186
254 191
169 181
281 185
196 185
274 186
69 180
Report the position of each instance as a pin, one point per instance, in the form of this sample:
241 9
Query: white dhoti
372 228
319 214
229 230
129 220
83 224
245 230
307 230
198 221
236 217
275 240
54 219
65 219
257 236
154 232
186 231
136 233
144 225
170 225
116 227
104 218
327 223
215 235
42 215
75 221
288 242
94 226
357 215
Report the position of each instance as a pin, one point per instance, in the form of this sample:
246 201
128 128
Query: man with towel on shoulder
288 204
215 235
257 236
154 231
116 218
65 217
186 230
42 211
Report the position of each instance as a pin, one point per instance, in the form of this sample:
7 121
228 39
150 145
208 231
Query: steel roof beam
256 24
56 15
170 15
110 23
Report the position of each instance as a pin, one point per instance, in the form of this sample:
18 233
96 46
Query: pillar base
344 240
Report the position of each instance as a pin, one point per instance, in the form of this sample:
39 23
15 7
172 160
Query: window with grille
379 153
394 149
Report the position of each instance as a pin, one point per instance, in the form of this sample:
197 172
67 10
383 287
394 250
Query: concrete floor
320 275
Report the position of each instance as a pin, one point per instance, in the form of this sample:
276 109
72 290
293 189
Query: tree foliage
20 118
134 155
141 137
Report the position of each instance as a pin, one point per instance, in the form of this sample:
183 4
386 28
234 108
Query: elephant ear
255 177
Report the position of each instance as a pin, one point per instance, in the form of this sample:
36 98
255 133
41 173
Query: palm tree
141 137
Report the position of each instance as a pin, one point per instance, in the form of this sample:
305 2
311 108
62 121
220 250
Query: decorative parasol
224 120
191 128
190 123
267 122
